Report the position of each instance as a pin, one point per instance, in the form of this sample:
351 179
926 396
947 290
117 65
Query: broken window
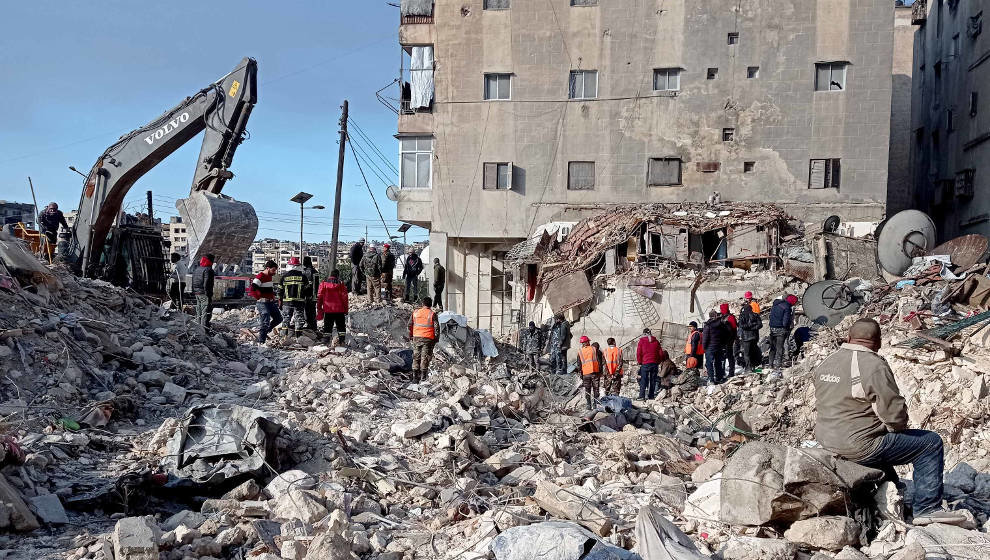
666 79
584 2
728 134
712 73
733 39
583 84
749 166
497 86
974 98
416 157
824 174
753 72
830 76
496 4
498 177
664 172
580 175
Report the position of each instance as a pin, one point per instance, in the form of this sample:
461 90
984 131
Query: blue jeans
270 317
649 378
412 289
715 364
921 448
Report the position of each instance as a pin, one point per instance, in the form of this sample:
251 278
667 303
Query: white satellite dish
392 192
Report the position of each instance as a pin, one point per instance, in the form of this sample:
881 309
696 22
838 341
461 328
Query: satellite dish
392 193
906 235
828 301
831 224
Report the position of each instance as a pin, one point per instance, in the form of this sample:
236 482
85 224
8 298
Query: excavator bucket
219 225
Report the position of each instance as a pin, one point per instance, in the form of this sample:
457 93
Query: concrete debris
826 532
754 548
571 504
48 508
554 540
136 538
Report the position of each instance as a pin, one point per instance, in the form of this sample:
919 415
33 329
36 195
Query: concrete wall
968 145
900 185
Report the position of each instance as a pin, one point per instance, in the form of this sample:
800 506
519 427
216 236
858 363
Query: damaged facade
538 107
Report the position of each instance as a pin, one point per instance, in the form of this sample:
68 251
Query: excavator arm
216 223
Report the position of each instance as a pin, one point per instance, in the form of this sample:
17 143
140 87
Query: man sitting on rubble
424 327
591 370
332 307
263 290
613 368
863 418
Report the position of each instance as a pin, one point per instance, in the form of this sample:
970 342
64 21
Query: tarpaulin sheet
416 7
659 539
421 77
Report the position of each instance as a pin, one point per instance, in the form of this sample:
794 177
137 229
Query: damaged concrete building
517 114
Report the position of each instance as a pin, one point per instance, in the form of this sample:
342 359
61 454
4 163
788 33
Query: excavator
104 242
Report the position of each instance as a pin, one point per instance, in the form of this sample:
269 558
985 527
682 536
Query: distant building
13 212
175 233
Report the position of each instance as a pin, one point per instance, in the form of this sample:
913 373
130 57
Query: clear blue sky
76 75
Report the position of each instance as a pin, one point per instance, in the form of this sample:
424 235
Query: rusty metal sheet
746 241
570 290
964 251
801 270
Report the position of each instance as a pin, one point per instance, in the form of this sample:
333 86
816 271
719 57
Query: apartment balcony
416 27
415 206
919 12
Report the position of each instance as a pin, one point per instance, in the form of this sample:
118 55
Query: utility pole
340 184
151 212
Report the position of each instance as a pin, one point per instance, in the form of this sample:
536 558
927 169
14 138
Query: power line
360 131
363 176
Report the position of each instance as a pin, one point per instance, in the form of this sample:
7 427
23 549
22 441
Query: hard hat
792 299
585 339
293 261
748 295
386 245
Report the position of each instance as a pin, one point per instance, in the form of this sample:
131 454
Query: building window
580 175
712 73
666 79
733 39
830 76
749 166
753 72
974 99
824 174
416 158
498 177
497 86
664 172
496 4
584 2
728 134
583 84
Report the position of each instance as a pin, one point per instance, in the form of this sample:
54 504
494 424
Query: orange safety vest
423 323
755 306
687 345
613 360
589 360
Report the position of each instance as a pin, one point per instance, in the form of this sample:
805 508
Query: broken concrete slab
706 470
567 504
705 503
948 542
300 504
49 509
136 538
832 532
174 393
289 479
754 548
412 428
554 540
20 517
191 519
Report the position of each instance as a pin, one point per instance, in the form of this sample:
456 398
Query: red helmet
293 261
585 339
792 299
748 295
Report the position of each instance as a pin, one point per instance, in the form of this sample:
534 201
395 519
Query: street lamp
302 198
79 172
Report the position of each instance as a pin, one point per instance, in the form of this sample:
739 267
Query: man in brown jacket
863 418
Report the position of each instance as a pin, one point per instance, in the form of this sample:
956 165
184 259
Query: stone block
135 538
49 509
753 548
831 532
567 504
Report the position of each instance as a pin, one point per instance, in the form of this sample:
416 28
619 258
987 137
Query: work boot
341 341
415 376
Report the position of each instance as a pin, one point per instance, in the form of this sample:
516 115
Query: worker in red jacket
731 345
649 354
332 307
263 290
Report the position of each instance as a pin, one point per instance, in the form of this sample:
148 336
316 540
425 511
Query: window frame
488 8
509 167
831 173
752 72
589 4
749 167
732 38
416 152
593 175
728 134
843 65
667 72
680 171
712 73
583 74
497 76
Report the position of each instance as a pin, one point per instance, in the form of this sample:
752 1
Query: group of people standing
372 272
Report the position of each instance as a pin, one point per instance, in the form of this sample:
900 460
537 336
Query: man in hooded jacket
202 287
749 337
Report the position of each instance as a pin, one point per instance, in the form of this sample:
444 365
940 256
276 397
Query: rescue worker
558 344
731 345
439 281
263 290
388 269
312 283
202 288
410 272
177 280
49 220
293 297
648 357
752 303
591 369
530 342
694 349
781 322
714 337
668 370
613 368
332 307
749 336
863 418
371 265
424 328
357 274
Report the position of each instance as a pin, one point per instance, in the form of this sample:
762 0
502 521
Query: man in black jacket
202 288
781 323
410 272
357 276
439 282
714 339
309 292
749 336
388 269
